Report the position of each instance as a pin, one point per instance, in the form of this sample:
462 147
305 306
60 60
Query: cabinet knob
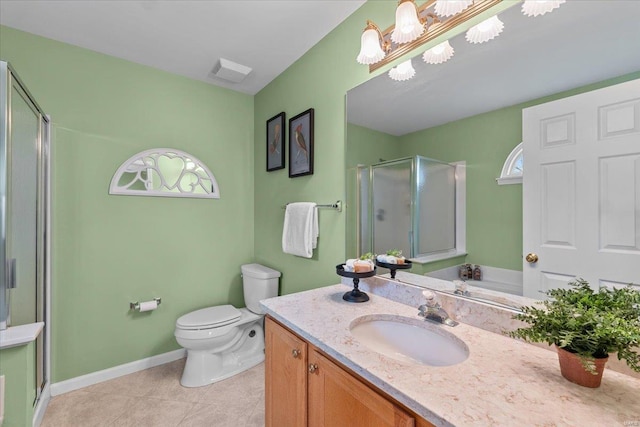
312 368
295 352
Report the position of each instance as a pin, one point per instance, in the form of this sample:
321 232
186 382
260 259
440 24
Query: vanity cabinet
306 388
285 377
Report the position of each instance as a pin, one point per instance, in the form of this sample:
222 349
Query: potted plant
585 326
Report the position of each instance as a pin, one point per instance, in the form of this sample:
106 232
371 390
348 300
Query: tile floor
155 398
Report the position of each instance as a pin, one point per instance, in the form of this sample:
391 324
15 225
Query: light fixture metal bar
437 27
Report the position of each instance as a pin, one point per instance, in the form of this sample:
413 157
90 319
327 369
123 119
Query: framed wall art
301 144
275 142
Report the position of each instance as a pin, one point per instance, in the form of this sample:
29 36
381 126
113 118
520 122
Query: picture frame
301 144
275 142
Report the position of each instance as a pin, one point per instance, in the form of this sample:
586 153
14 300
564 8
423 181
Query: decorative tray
352 274
355 295
393 267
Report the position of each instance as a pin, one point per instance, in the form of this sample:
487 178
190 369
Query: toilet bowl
222 341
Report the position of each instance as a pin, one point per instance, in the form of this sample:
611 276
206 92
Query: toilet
223 340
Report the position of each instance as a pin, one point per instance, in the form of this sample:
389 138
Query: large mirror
469 109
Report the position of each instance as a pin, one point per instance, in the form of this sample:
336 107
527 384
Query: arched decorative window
164 172
512 168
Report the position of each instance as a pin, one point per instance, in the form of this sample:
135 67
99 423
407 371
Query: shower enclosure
407 204
24 144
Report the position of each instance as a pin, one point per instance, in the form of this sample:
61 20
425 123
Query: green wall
110 250
367 146
494 212
17 366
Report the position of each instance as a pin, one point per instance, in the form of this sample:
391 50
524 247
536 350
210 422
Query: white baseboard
41 406
115 372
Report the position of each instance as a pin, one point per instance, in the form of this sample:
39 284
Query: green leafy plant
395 253
589 323
368 256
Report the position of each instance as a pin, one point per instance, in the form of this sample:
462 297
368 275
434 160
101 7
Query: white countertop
504 382
20 335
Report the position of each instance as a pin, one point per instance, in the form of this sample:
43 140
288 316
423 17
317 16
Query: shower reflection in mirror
412 204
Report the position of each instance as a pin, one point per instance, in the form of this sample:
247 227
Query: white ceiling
187 37
580 43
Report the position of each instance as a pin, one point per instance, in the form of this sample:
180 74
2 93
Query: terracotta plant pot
572 369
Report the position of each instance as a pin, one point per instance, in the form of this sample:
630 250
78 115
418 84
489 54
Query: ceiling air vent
230 71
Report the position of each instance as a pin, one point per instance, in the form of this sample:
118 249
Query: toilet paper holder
136 305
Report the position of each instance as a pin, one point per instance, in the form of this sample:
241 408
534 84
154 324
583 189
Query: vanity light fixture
408 25
485 31
402 72
451 7
535 8
370 49
438 54
415 26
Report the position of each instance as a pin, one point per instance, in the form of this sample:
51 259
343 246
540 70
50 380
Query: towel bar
337 206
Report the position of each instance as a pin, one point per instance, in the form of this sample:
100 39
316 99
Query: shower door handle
11 273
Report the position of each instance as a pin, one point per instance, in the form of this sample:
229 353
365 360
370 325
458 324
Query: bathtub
493 278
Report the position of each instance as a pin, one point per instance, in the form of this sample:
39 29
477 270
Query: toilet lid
210 317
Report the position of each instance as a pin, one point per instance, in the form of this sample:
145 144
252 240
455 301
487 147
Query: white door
581 190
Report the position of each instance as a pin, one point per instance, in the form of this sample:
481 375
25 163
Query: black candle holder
355 295
393 267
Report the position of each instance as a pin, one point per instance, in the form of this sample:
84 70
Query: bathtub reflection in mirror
470 109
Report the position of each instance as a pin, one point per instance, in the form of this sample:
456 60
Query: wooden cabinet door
338 399
285 377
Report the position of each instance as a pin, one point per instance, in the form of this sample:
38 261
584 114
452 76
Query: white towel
300 231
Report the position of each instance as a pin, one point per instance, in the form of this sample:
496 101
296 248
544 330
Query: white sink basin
409 340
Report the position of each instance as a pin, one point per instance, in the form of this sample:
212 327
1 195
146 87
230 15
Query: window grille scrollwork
164 172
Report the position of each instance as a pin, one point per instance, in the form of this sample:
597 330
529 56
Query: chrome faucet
461 288
432 310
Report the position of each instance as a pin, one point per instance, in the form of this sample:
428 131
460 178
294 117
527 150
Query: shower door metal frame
10 80
458 233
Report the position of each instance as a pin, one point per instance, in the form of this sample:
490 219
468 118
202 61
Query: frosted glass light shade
438 54
451 7
370 50
539 7
402 72
408 26
485 31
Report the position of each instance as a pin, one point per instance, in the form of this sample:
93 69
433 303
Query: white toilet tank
258 282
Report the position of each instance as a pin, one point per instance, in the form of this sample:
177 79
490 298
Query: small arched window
164 172
512 168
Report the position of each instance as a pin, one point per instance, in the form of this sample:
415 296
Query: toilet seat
208 318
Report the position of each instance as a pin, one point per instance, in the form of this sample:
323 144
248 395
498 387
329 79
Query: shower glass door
435 207
391 203
22 290
22 241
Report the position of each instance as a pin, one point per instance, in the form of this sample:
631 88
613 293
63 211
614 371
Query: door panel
619 119
581 193
558 222
620 204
